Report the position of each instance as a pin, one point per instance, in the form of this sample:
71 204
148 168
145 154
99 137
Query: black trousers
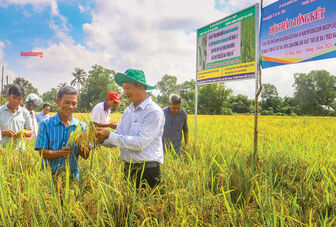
149 172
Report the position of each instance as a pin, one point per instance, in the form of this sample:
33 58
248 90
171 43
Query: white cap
34 99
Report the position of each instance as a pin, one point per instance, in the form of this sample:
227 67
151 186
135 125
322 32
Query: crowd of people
144 134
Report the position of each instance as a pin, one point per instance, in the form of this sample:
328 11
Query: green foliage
28 87
272 104
79 78
213 98
315 92
239 104
49 97
62 84
187 92
269 91
167 85
99 82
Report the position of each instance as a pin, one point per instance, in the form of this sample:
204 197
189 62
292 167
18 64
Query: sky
156 36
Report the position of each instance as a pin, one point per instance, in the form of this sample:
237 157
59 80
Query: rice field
292 182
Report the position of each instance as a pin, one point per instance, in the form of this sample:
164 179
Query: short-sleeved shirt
173 127
100 114
40 117
34 122
18 121
53 135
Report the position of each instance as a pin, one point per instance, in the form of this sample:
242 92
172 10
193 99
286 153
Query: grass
215 184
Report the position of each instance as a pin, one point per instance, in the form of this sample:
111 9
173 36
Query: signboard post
227 50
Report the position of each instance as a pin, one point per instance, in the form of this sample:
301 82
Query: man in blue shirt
44 114
176 122
54 133
139 132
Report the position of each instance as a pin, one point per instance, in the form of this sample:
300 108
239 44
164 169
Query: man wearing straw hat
139 132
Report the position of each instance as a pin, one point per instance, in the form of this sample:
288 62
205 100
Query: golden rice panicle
74 135
86 137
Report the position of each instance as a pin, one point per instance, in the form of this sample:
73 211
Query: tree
167 85
28 87
50 98
62 84
214 99
79 80
288 105
269 91
314 92
187 92
97 85
270 101
239 104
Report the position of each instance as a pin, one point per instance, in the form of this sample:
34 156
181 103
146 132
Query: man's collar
58 120
105 108
18 110
143 104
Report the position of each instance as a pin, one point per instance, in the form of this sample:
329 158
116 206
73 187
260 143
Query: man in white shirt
101 112
32 101
15 121
139 132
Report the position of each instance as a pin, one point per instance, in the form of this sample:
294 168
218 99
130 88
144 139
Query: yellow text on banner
227 71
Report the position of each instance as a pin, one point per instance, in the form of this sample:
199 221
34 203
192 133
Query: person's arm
186 139
8 132
148 131
28 133
110 125
186 132
28 125
51 155
42 145
97 117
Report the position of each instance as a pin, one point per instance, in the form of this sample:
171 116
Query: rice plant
214 184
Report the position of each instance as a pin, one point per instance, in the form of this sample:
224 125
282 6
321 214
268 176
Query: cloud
38 5
57 64
158 37
241 4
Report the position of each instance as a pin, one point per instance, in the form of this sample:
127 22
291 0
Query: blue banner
294 31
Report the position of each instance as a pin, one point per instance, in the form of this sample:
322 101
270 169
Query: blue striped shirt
53 135
40 117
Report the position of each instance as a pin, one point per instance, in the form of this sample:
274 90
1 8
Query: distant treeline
314 94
